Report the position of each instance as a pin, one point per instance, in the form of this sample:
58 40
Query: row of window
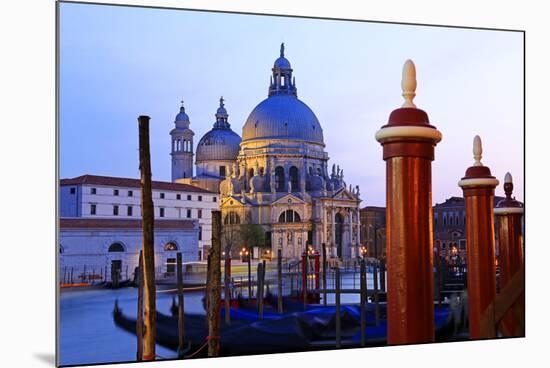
130 211
451 220
130 193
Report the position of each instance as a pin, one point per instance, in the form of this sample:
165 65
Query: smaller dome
281 63
182 116
218 144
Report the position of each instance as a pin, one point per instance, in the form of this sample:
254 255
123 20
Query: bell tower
182 147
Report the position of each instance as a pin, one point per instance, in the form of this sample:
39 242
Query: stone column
479 190
509 213
333 251
408 142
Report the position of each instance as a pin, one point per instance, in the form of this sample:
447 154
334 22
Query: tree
252 235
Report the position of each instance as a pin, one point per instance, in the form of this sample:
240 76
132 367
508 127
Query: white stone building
103 197
93 249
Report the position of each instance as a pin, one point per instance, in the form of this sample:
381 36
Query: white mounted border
472 182
408 132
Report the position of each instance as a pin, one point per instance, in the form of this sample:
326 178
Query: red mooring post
478 186
508 213
408 142
317 273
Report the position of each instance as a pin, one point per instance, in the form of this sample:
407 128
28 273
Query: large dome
283 116
218 144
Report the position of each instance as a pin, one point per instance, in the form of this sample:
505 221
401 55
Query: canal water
89 335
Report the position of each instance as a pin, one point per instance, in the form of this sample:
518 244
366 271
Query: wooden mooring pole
249 273
408 141
181 305
375 287
214 272
280 280
478 186
148 216
338 325
260 289
227 285
304 277
324 250
363 283
139 318
509 213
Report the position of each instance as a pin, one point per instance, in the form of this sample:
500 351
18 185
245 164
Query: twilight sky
120 62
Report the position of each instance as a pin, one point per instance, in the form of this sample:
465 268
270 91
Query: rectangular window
92 209
200 198
199 213
214 199
73 190
189 197
188 213
93 191
178 196
115 210
161 212
130 193
200 232
161 195
130 211
222 171
115 192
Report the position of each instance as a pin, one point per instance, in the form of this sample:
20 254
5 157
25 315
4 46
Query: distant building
105 197
449 228
373 221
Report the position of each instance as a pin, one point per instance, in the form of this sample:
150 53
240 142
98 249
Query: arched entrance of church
339 232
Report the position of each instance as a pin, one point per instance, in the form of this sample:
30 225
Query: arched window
280 178
170 246
250 173
294 178
116 247
444 220
232 218
289 216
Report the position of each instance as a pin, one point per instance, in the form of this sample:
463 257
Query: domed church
280 177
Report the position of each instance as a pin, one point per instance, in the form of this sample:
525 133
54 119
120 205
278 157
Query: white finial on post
508 178
408 84
478 151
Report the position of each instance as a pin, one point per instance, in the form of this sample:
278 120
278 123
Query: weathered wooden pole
375 287
260 290
214 287
363 285
408 142
383 275
279 280
148 216
338 325
139 318
509 213
227 285
478 186
324 249
304 277
181 306
249 272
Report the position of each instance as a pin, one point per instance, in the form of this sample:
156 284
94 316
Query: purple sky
117 63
